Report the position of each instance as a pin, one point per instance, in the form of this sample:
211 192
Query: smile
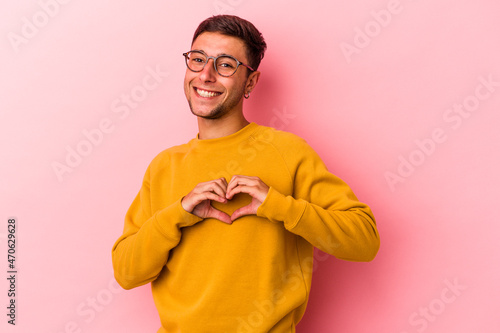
206 93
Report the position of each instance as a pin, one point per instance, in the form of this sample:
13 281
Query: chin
215 113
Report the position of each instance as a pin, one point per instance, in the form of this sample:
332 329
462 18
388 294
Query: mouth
207 93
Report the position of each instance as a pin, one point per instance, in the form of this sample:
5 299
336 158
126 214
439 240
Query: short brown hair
231 25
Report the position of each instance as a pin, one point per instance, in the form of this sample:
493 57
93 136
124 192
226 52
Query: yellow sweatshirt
253 275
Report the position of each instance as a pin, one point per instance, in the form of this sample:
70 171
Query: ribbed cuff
174 216
279 208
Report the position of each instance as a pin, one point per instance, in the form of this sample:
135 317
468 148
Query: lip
216 93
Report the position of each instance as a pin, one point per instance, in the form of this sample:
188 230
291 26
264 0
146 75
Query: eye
226 65
197 59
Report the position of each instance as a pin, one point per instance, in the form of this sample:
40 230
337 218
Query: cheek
187 80
233 87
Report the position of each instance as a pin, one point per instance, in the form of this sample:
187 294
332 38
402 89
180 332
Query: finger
235 183
201 197
223 181
223 184
241 189
212 196
243 211
215 187
219 215
200 193
232 183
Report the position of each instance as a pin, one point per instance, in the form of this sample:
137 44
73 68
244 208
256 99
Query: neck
218 128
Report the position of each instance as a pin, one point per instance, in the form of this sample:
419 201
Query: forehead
214 43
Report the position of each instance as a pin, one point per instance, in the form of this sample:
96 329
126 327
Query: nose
208 73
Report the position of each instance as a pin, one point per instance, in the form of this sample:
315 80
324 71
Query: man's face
210 95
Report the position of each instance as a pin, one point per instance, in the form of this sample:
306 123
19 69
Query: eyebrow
218 55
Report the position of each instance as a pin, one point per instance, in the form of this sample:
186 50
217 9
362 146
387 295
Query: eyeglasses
225 65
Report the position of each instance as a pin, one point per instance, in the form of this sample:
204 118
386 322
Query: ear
252 81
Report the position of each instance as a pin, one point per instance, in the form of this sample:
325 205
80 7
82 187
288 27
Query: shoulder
283 142
165 157
277 137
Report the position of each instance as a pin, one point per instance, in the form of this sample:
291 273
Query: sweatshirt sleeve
142 251
322 209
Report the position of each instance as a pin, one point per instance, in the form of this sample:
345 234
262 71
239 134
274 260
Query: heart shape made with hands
239 200
226 201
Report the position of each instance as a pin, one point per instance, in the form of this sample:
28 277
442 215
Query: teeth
204 93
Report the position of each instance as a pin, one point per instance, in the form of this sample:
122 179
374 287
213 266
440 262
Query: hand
253 186
197 202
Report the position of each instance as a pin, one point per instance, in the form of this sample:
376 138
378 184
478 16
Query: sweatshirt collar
231 139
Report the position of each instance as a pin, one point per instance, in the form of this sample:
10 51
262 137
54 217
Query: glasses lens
196 61
226 66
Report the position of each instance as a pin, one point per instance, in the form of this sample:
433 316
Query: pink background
366 83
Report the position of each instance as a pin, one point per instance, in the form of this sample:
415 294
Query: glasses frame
186 56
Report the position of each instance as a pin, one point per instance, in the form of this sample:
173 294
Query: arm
141 252
346 230
323 210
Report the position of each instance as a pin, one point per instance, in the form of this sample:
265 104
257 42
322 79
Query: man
224 226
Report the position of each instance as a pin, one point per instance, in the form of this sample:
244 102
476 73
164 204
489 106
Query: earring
247 95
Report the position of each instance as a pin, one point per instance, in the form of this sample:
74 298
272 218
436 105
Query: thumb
219 215
245 210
